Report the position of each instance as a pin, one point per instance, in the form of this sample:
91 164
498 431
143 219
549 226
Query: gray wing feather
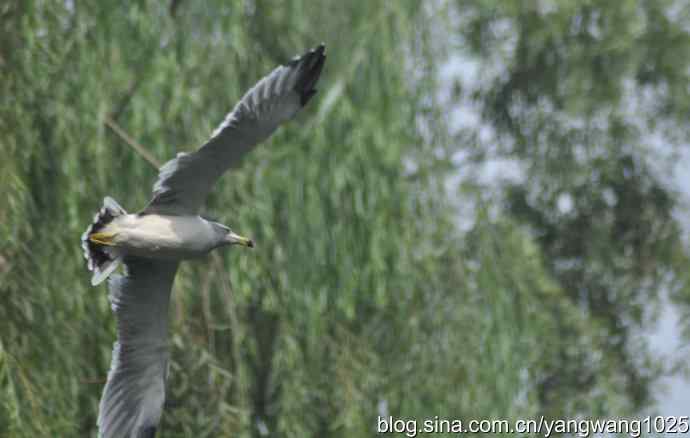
184 182
133 397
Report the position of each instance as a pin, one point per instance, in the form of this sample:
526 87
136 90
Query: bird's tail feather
100 259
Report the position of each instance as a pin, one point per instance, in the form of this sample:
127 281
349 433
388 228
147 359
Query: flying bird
150 244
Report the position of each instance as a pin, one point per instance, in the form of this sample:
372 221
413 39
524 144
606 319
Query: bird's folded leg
103 238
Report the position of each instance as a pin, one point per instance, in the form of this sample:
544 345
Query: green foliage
591 98
362 297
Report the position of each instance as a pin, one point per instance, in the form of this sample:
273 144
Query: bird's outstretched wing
133 397
184 182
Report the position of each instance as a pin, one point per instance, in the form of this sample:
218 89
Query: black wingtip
311 65
305 97
148 432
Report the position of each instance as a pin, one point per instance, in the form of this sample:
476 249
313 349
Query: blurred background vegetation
391 275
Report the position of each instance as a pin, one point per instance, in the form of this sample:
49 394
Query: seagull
150 244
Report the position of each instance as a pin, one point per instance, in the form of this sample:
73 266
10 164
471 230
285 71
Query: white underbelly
166 237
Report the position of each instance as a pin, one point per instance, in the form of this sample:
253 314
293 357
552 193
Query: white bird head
225 236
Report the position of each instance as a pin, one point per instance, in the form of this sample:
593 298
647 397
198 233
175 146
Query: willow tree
303 324
362 298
